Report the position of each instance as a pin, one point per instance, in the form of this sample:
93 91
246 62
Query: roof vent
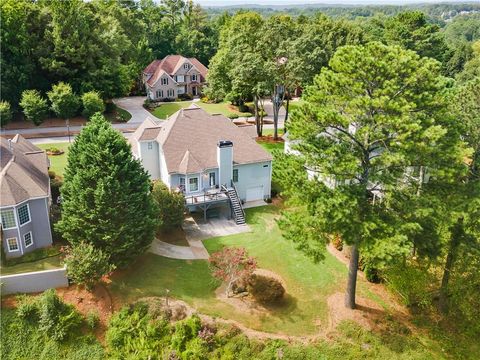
224 143
10 144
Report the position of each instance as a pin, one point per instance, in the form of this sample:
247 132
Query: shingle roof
149 134
169 65
189 141
147 124
24 171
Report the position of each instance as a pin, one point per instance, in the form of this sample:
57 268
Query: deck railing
205 197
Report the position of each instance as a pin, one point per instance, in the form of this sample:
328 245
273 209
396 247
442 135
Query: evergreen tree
377 112
106 198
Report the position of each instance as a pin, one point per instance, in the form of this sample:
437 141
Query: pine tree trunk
352 278
257 117
455 239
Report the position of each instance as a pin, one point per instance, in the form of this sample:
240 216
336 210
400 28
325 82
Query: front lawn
308 284
167 109
272 146
37 260
57 162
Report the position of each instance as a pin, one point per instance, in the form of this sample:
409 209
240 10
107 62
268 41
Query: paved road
63 129
134 105
62 139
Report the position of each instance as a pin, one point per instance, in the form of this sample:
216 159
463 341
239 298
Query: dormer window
186 66
164 81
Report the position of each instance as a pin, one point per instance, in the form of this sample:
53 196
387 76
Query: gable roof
149 123
170 65
24 171
189 141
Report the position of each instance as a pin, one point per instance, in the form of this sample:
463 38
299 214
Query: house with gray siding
206 157
25 197
173 76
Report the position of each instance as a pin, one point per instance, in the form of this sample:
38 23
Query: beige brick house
172 76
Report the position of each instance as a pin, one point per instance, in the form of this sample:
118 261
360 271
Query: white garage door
255 193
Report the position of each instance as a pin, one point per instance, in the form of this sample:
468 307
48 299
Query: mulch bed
270 139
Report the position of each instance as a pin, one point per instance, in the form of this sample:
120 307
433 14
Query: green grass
57 162
167 109
271 147
308 284
48 263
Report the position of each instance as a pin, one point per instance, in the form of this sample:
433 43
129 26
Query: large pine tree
106 196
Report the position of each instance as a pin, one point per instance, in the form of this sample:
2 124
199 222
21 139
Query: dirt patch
270 139
98 301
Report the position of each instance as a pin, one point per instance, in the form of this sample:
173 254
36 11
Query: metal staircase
236 204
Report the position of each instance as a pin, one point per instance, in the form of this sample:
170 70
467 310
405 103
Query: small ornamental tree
86 265
5 113
230 265
106 199
34 106
171 206
92 103
64 102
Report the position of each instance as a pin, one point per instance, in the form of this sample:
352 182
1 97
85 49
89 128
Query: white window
186 66
235 175
180 90
150 145
193 184
159 94
8 219
194 77
212 179
23 214
165 81
180 78
28 239
12 244
170 93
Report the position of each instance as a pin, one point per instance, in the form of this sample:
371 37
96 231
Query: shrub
56 318
265 289
185 331
5 113
185 97
55 185
27 308
171 206
54 150
372 274
92 103
337 242
51 174
110 107
65 104
243 108
92 319
247 114
34 106
232 116
86 264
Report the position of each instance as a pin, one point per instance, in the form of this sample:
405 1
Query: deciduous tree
92 103
34 106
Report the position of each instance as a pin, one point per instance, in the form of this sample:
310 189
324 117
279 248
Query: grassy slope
57 162
167 109
308 284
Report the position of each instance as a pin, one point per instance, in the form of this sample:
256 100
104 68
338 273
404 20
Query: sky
301 2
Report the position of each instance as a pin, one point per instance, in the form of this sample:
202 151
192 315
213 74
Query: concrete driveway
134 105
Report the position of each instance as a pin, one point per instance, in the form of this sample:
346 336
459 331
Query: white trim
48 219
29 215
18 231
14 218
8 244
31 239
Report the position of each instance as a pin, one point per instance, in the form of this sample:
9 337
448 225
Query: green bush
265 290
185 331
247 114
55 185
372 274
5 113
232 116
56 318
243 108
92 319
171 206
34 106
86 264
27 308
92 103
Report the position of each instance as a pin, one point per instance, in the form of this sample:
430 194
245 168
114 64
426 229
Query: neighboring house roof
189 141
170 65
24 171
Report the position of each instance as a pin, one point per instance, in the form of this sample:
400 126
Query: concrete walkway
195 233
134 105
